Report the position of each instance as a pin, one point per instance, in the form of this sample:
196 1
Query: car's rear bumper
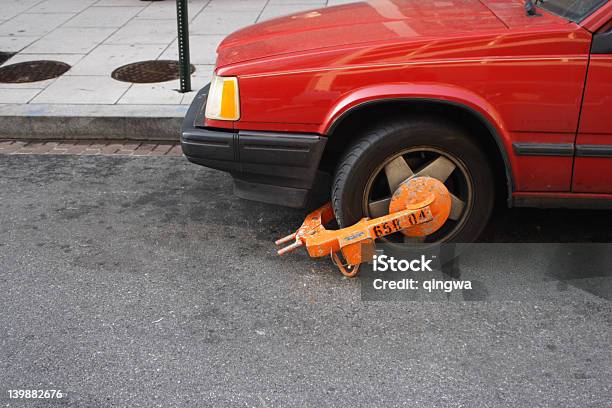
278 168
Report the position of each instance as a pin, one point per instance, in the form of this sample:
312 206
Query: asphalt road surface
142 282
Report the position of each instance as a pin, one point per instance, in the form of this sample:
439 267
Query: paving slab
165 93
104 59
116 3
67 40
103 17
17 95
63 6
14 43
166 10
221 22
33 24
202 49
70 59
141 31
83 90
12 8
237 5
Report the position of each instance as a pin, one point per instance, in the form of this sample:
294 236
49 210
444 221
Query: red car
349 101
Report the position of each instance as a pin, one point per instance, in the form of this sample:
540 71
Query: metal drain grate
32 71
5 56
146 72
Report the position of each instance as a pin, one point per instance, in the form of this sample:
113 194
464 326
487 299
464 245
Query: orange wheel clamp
419 207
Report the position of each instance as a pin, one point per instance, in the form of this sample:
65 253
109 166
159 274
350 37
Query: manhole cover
146 72
32 71
4 56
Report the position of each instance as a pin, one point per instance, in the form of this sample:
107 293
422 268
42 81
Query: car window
574 10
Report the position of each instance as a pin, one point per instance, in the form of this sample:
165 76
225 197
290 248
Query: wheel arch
341 125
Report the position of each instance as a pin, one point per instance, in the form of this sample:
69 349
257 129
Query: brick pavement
90 147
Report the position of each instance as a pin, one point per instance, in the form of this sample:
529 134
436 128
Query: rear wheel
373 168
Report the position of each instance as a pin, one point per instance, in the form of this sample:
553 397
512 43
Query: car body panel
525 76
374 21
523 85
355 23
593 174
519 87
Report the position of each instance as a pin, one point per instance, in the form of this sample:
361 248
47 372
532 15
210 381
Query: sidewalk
97 36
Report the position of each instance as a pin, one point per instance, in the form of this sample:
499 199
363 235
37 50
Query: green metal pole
183 45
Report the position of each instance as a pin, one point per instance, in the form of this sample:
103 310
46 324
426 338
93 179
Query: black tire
364 158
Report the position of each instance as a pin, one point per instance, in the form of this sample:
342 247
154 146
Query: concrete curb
99 128
101 122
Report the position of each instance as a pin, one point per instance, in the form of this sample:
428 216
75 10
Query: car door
593 160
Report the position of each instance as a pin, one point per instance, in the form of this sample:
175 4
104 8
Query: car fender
430 92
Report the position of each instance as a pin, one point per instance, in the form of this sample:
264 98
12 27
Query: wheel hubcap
419 162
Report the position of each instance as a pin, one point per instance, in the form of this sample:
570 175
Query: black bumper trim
279 167
267 193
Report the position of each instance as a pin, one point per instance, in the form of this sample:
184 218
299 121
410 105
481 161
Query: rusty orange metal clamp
419 207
